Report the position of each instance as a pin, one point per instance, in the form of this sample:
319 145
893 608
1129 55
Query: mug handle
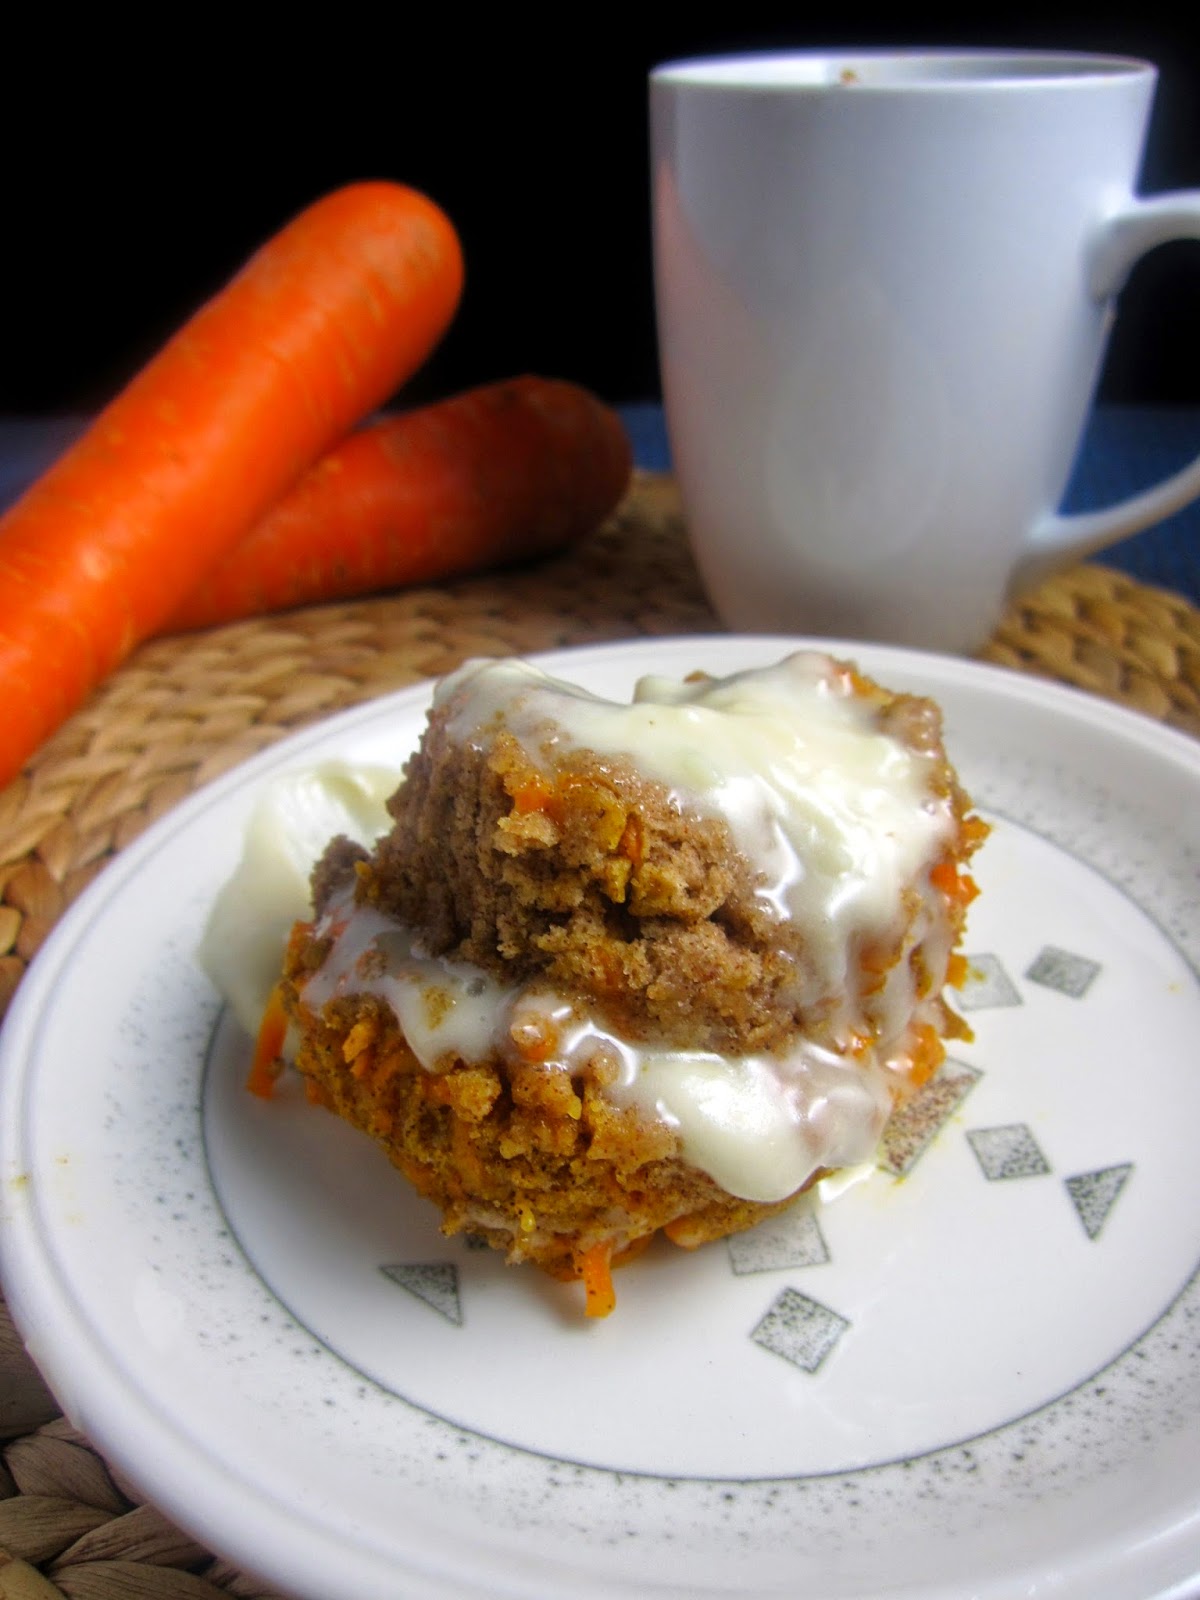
1126 236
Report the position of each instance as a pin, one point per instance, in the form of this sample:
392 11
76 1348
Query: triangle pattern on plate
1093 1194
434 1282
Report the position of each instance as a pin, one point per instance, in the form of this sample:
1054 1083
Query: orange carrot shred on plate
317 330
268 1047
501 473
596 1271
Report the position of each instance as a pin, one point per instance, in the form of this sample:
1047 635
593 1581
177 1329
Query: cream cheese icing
759 1125
293 819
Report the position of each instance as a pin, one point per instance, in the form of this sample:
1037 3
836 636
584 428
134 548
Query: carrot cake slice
618 968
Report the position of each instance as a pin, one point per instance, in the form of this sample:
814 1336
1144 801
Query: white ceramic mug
884 283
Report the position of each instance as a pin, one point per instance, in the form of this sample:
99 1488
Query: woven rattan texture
183 710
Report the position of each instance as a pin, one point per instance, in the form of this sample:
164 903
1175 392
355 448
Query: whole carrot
317 330
502 472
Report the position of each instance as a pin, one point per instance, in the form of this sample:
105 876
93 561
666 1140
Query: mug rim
915 69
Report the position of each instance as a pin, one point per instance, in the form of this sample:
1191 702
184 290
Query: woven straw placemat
183 710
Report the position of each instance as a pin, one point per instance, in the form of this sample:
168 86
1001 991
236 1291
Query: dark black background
144 164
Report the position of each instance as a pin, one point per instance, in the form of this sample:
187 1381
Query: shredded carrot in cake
955 885
533 794
928 1053
268 1047
633 839
681 1232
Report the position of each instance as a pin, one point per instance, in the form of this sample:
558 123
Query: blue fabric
1125 449
647 432
1128 448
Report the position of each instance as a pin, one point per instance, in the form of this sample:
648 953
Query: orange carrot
503 472
318 329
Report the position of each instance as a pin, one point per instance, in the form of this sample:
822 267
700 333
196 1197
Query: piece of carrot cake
618 968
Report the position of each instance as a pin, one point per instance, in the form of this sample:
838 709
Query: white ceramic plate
976 1373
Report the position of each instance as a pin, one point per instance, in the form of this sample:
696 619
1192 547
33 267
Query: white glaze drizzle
759 1125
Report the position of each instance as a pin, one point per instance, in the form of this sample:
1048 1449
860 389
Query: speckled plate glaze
976 1370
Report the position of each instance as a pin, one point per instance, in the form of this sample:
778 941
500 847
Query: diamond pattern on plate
1093 1194
913 1126
434 1282
987 984
801 1330
1058 969
1008 1152
790 1238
